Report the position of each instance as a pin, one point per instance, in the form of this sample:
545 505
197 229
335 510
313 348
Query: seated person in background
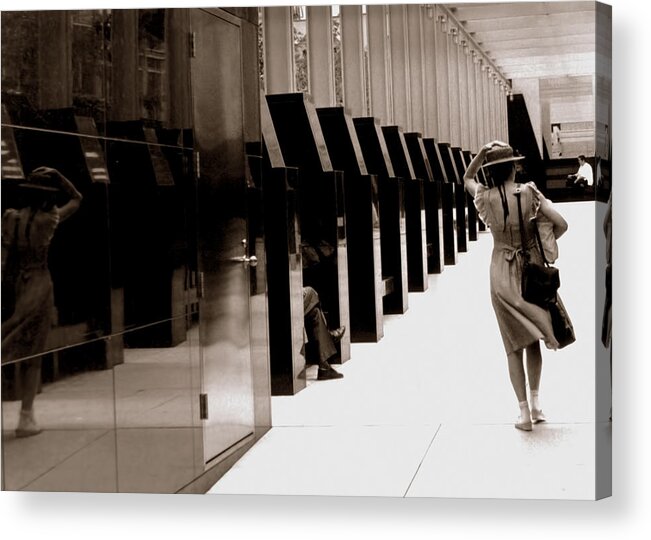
583 176
317 331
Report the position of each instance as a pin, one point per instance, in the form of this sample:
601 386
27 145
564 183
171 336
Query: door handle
251 261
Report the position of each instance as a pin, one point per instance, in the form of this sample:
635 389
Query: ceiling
533 39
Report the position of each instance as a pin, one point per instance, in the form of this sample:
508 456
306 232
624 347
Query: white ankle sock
525 414
534 400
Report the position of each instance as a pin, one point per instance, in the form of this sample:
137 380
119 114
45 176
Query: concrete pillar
278 50
488 128
503 98
442 85
430 29
473 124
494 105
400 69
416 67
352 50
464 108
125 102
453 87
479 99
320 56
379 64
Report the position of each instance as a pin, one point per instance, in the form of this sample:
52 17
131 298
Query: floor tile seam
349 426
422 460
485 424
66 459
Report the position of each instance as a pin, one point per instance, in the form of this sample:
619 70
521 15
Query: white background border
626 515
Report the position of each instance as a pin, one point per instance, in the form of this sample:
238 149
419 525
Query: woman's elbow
470 185
560 229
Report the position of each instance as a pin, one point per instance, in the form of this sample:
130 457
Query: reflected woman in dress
522 324
26 236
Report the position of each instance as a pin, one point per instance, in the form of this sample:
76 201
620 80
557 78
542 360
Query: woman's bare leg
518 380
534 365
534 371
516 373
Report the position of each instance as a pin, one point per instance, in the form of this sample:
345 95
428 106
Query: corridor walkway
429 411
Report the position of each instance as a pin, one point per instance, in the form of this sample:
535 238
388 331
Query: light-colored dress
521 323
25 333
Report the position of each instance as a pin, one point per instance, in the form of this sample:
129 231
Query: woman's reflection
26 236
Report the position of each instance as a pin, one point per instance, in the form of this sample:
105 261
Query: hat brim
36 187
504 160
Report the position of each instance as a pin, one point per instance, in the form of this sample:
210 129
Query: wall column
320 56
453 87
473 124
496 104
177 26
504 120
488 128
430 30
54 59
479 95
379 64
125 104
442 87
400 69
352 57
278 50
416 68
464 107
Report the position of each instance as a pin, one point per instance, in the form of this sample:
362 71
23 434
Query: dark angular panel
432 195
321 204
393 242
365 286
414 208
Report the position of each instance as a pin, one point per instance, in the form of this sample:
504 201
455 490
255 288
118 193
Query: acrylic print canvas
292 250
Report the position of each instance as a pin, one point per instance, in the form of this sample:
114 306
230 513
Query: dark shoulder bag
540 282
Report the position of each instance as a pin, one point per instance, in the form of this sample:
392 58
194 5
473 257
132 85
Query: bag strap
540 246
523 236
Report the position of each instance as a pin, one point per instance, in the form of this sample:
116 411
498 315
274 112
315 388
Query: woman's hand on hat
492 144
66 185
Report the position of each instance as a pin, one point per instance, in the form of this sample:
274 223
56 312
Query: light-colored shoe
537 416
523 425
27 426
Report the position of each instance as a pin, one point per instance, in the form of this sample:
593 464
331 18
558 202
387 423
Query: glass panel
141 90
53 67
157 414
153 239
74 409
56 288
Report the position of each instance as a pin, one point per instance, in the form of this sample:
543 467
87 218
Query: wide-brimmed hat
500 154
41 182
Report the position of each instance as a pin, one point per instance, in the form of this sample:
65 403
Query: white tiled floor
428 411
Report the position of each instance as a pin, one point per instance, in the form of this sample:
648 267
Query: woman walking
522 324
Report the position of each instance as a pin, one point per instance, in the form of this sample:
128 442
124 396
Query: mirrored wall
100 329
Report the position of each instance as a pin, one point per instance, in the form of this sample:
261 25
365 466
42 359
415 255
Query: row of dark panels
366 211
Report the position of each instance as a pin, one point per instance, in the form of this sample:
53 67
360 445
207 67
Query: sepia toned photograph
338 250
